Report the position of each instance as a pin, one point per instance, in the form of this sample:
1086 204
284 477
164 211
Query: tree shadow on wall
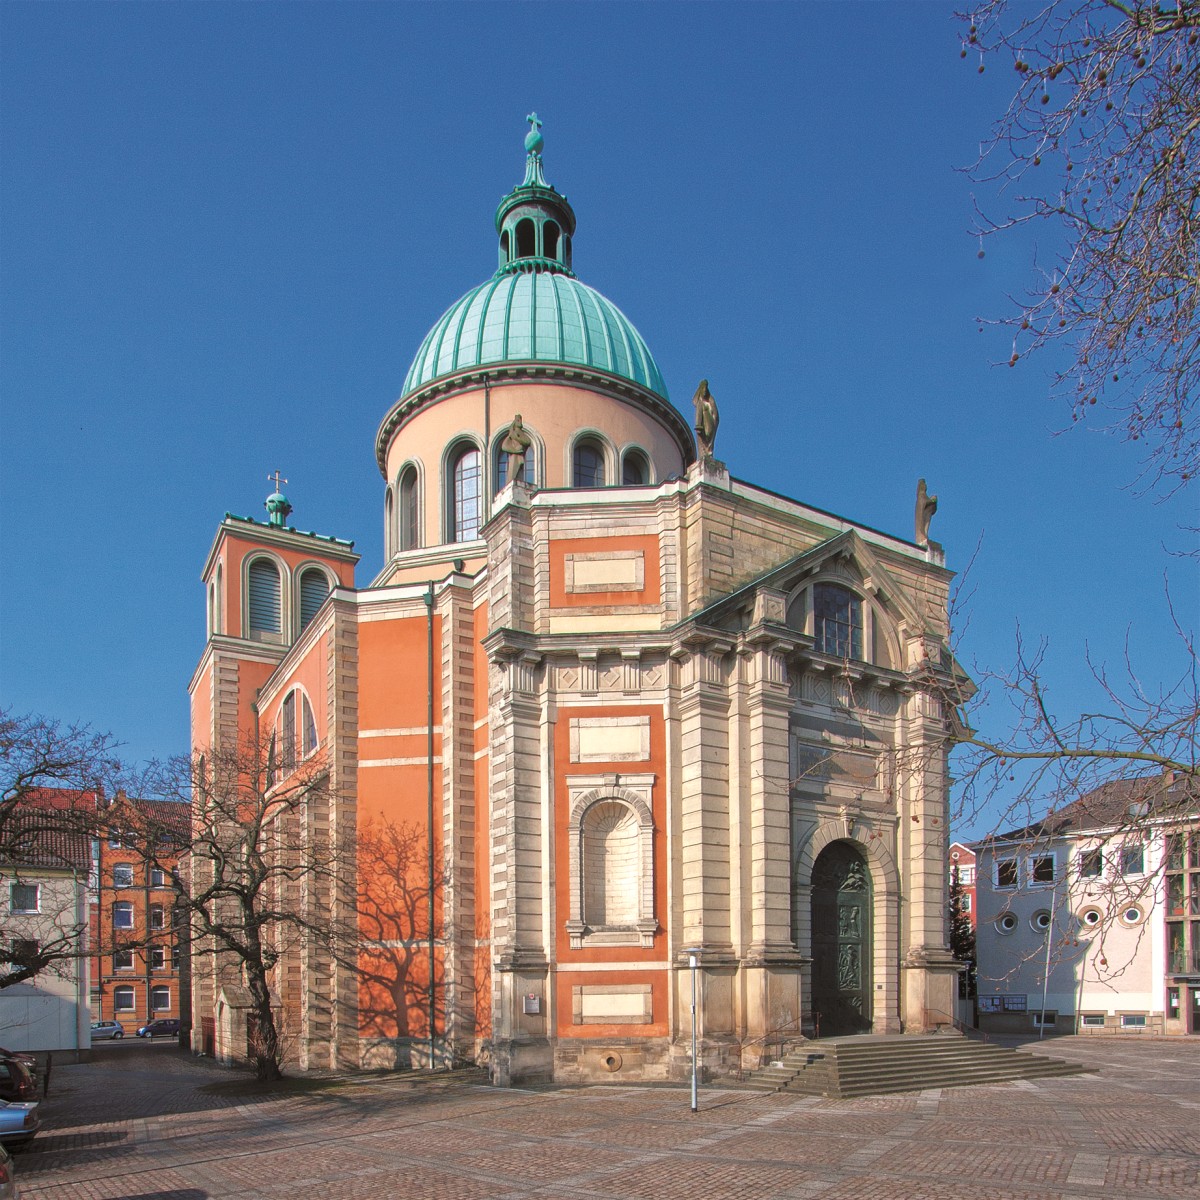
397 990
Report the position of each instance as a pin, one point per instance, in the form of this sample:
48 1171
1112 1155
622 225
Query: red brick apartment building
137 945
962 864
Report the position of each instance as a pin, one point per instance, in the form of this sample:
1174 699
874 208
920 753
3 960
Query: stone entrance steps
872 1066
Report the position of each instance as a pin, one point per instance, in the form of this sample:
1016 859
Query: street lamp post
693 962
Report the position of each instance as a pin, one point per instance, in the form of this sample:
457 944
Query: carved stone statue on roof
516 445
926 507
707 419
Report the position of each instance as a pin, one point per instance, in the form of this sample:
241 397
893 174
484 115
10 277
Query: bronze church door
841 942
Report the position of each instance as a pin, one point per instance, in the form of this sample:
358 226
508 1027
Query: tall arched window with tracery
587 464
837 621
410 536
466 495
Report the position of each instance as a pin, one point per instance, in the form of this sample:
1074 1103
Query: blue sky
227 227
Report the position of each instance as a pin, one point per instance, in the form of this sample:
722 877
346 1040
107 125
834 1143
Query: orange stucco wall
393 797
656 763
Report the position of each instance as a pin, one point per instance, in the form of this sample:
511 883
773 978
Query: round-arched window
466 508
587 467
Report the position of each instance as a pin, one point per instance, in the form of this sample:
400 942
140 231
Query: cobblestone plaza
146 1123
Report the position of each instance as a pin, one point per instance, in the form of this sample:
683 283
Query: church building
645 710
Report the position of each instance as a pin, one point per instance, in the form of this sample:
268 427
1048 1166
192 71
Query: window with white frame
1007 873
1092 1020
1091 864
158 957
1133 859
122 875
24 897
158 877
1133 1020
160 999
122 914
157 917
1041 870
122 960
123 998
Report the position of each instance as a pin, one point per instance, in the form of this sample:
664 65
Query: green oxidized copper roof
534 309
535 316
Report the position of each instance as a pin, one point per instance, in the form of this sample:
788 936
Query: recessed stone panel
605 571
612 1004
610 739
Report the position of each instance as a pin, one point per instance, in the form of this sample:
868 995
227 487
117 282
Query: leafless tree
1102 141
52 780
263 871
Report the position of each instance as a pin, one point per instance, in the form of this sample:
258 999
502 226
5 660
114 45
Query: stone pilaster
703 881
457 902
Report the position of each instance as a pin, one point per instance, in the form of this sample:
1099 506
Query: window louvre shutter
314 587
264 597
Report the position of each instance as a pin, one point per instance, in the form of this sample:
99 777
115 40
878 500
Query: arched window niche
550 240
526 238
389 522
464 492
611 836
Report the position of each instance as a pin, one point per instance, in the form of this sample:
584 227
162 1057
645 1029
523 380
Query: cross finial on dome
533 139
276 504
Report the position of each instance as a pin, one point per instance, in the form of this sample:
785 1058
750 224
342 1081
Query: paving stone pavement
137 1124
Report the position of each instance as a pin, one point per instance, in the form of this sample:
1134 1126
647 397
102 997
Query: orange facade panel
633 559
655 763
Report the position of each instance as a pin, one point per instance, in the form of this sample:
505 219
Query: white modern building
1089 921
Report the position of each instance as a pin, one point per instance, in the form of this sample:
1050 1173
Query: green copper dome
535 316
534 310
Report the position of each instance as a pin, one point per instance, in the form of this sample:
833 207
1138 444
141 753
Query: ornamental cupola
535 223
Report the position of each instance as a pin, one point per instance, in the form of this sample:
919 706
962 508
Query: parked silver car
19 1123
101 1030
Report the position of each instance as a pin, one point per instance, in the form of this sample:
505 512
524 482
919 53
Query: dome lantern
535 222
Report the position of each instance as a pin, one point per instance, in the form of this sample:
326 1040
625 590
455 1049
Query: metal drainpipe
429 812
487 447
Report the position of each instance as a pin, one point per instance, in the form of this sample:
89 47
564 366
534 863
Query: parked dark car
163 1027
16 1081
24 1056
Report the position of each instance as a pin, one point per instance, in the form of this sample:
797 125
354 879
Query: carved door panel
841 942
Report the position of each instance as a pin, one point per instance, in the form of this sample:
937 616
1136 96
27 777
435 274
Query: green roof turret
535 223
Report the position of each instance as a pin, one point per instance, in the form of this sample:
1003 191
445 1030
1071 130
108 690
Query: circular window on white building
1089 918
1040 920
1131 915
1006 923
